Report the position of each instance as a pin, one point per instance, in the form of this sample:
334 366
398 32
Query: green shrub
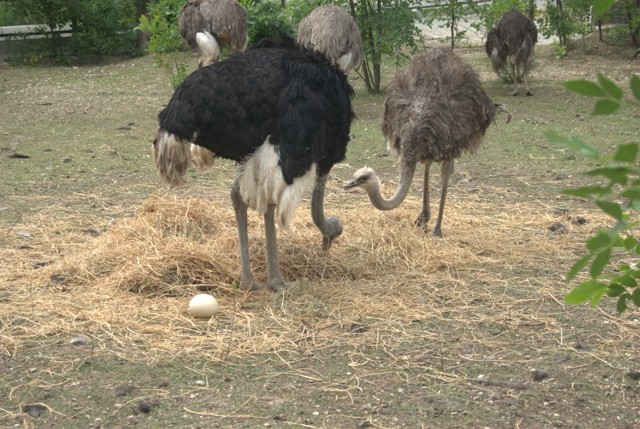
618 196
165 43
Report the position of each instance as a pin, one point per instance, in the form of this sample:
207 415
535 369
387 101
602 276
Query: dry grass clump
128 287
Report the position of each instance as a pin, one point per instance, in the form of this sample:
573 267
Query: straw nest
383 281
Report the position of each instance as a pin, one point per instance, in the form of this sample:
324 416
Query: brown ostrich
330 30
435 110
513 41
212 24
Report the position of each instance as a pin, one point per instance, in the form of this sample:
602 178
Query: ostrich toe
250 285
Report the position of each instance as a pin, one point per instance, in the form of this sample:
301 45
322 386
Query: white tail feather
209 48
345 62
172 157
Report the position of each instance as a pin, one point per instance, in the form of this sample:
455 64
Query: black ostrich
434 111
283 113
513 40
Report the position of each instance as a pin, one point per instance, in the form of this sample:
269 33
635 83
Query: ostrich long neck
406 176
317 204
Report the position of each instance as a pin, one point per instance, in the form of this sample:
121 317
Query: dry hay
383 282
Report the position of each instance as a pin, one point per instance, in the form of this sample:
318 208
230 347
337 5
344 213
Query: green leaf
630 242
615 174
632 193
615 289
621 306
585 87
605 107
635 297
586 191
612 209
600 7
597 296
634 83
626 153
611 88
627 280
572 143
599 241
584 291
578 266
599 262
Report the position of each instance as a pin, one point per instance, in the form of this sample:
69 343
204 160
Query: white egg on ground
203 305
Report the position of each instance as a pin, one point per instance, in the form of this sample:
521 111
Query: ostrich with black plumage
283 113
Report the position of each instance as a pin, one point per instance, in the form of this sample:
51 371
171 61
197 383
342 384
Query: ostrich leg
247 281
524 72
330 227
274 276
445 171
514 76
425 215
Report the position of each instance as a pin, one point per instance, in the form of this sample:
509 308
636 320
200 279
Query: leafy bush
491 12
100 27
267 19
388 28
566 19
165 42
619 197
449 13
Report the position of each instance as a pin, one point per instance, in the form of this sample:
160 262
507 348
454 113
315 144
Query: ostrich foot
249 284
515 94
422 220
529 93
277 284
437 232
333 229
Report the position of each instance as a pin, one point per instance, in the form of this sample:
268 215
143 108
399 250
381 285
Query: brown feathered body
224 20
436 109
332 31
513 41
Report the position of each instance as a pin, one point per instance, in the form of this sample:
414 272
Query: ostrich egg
203 305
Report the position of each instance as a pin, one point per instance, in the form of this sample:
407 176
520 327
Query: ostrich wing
232 107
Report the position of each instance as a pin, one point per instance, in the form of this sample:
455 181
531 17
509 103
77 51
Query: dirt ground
391 328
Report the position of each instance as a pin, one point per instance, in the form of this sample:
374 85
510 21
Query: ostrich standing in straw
330 30
283 113
211 24
435 110
513 40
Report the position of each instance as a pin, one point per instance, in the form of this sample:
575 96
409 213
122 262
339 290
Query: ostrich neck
406 176
317 204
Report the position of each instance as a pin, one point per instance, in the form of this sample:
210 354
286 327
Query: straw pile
383 281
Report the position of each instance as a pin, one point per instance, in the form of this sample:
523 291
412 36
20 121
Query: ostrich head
365 178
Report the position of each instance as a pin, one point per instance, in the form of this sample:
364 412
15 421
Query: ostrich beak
350 185
358 181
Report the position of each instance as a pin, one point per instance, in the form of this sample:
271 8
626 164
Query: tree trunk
453 24
532 10
600 31
562 37
141 37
